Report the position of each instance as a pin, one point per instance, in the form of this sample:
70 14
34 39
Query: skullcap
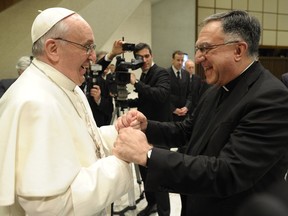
46 20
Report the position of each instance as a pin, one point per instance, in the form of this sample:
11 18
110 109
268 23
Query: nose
199 57
92 56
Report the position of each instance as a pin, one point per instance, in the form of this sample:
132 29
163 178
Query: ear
240 50
52 50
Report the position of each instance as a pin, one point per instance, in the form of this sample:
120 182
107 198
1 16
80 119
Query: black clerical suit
237 146
197 88
180 90
153 100
5 84
284 79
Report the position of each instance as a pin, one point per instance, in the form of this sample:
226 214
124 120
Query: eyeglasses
89 48
205 48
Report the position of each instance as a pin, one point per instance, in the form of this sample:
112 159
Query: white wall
164 24
109 19
173 28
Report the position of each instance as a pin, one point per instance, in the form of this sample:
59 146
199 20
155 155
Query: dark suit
5 84
197 88
153 101
153 95
284 79
237 147
102 113
180 89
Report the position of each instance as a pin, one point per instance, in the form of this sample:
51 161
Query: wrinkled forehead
79 28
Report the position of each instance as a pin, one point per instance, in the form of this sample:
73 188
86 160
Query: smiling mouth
207 68
85 68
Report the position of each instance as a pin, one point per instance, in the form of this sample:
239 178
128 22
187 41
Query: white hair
23 63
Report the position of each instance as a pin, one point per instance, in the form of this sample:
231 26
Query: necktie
143 76
178 75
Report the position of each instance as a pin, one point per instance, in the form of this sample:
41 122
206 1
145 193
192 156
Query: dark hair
141 46
238 24
177 52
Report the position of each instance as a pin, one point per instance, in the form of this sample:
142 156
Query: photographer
153 90
97 89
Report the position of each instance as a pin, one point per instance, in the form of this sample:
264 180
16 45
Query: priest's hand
131 145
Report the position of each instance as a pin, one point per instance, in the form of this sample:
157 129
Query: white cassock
47 156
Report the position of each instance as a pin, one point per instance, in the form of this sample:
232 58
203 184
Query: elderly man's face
190 66
215 55
74 59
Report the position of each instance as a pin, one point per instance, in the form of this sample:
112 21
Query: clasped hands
181 111
131 144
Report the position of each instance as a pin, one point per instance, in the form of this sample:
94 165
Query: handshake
131 144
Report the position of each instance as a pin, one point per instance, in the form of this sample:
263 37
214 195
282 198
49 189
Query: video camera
122 75
120 78
93 73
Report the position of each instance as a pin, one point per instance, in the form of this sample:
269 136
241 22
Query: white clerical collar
225 88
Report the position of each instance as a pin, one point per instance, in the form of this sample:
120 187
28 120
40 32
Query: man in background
21 65
180 87
197 85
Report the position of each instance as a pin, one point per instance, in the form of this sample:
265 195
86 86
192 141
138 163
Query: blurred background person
97 86
21 65
274 202
197 85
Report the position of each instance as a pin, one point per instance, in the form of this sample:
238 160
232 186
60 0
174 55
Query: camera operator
98 94
153 100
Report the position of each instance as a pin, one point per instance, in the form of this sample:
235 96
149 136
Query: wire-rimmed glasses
89 48
205 48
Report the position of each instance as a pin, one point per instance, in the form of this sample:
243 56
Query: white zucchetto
46 20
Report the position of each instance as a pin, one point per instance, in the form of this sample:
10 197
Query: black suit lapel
203 115
222 109
149 74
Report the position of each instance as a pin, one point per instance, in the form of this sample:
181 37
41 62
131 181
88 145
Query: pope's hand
132 118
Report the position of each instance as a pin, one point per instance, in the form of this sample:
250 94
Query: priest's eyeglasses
205 48
89 47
